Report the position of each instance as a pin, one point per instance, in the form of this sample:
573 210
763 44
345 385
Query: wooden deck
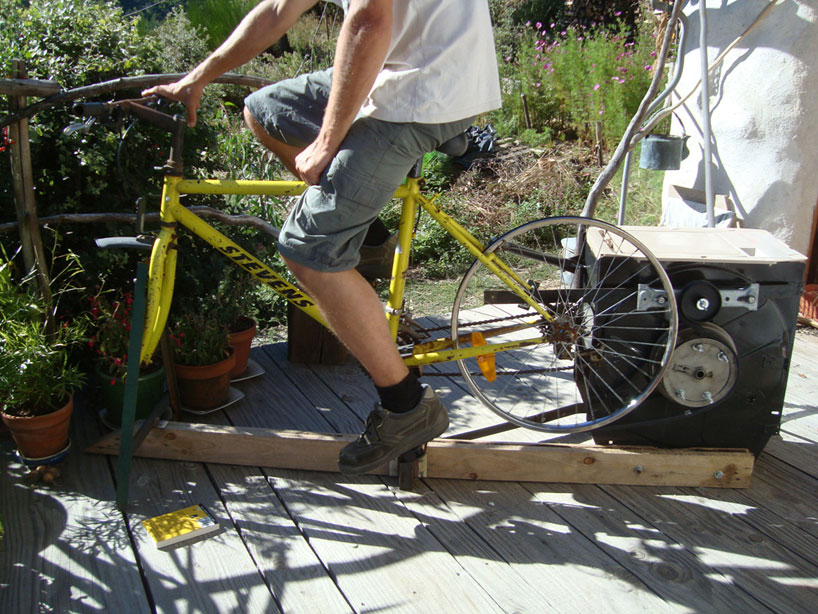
298 541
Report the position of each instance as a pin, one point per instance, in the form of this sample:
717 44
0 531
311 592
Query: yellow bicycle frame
162 269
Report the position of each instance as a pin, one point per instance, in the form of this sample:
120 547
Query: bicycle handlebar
173 124
169 123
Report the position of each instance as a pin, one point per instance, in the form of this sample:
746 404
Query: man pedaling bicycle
408 75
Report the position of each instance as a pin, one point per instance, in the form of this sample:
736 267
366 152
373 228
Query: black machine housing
738 308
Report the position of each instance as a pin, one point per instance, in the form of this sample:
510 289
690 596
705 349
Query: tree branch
130 218
120 83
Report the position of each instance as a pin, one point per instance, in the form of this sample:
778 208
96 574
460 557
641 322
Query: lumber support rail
449 458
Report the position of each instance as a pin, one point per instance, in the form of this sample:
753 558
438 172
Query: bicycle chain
478 323
478 373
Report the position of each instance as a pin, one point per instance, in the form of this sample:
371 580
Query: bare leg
355 314
285 153
347 301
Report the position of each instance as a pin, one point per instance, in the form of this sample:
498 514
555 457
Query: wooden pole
525 111
23 180
598 144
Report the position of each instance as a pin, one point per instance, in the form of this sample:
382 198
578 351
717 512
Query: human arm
261 27
362 46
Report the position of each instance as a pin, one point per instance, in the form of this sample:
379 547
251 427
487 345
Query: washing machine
737 292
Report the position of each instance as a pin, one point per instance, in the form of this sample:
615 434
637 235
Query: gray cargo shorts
326 228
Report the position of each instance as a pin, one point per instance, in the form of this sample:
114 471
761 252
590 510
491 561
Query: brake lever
81 127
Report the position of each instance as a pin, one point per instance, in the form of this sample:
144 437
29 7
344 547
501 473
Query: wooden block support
310 343
450 458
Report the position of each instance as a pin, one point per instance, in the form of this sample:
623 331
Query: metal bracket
746 298
650 298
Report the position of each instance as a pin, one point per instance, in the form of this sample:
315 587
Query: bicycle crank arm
429 357
444 344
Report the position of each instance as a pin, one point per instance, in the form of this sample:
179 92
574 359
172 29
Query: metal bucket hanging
663 152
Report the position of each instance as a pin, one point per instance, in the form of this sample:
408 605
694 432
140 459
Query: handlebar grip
161 120
92 109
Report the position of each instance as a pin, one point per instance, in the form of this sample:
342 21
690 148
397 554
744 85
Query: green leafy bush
182 43
76 43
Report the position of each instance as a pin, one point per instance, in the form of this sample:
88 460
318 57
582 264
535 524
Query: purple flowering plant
572 77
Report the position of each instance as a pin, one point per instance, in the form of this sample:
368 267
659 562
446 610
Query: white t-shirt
441 65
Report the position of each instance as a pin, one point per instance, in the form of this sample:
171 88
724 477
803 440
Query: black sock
403 396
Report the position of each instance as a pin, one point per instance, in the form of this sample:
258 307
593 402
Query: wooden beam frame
449 458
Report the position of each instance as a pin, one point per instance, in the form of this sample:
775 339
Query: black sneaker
376 260
388 435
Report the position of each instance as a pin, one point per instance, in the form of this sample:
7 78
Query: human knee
304 274
251 121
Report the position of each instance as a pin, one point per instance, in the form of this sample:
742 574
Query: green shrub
37 370
575 77
76 43
182 44
218 18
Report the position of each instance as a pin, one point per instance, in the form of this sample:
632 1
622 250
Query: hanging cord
660 115
626 142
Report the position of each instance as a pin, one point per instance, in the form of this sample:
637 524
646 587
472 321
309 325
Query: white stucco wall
764 113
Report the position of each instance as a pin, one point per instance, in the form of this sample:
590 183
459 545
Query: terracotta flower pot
241 342
41 436
149 390
207 386
809 302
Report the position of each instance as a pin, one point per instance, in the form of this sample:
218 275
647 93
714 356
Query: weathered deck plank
217 574
285 558
671 570
397 566
66 547
555 565
786 491
717 532
308 541
382 557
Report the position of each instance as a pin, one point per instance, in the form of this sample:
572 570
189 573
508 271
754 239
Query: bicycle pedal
410 465
412 455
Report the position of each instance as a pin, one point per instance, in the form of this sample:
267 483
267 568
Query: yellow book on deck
181 525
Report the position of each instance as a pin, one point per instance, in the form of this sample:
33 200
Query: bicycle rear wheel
604 343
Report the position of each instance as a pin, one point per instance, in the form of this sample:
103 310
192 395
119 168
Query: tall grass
218 18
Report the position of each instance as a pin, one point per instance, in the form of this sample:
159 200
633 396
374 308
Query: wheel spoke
603 355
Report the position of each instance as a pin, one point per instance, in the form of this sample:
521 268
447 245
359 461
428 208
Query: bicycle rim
602 348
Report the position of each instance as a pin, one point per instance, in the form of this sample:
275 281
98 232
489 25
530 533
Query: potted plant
203 359
231 309
223 291
37 376
111 325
